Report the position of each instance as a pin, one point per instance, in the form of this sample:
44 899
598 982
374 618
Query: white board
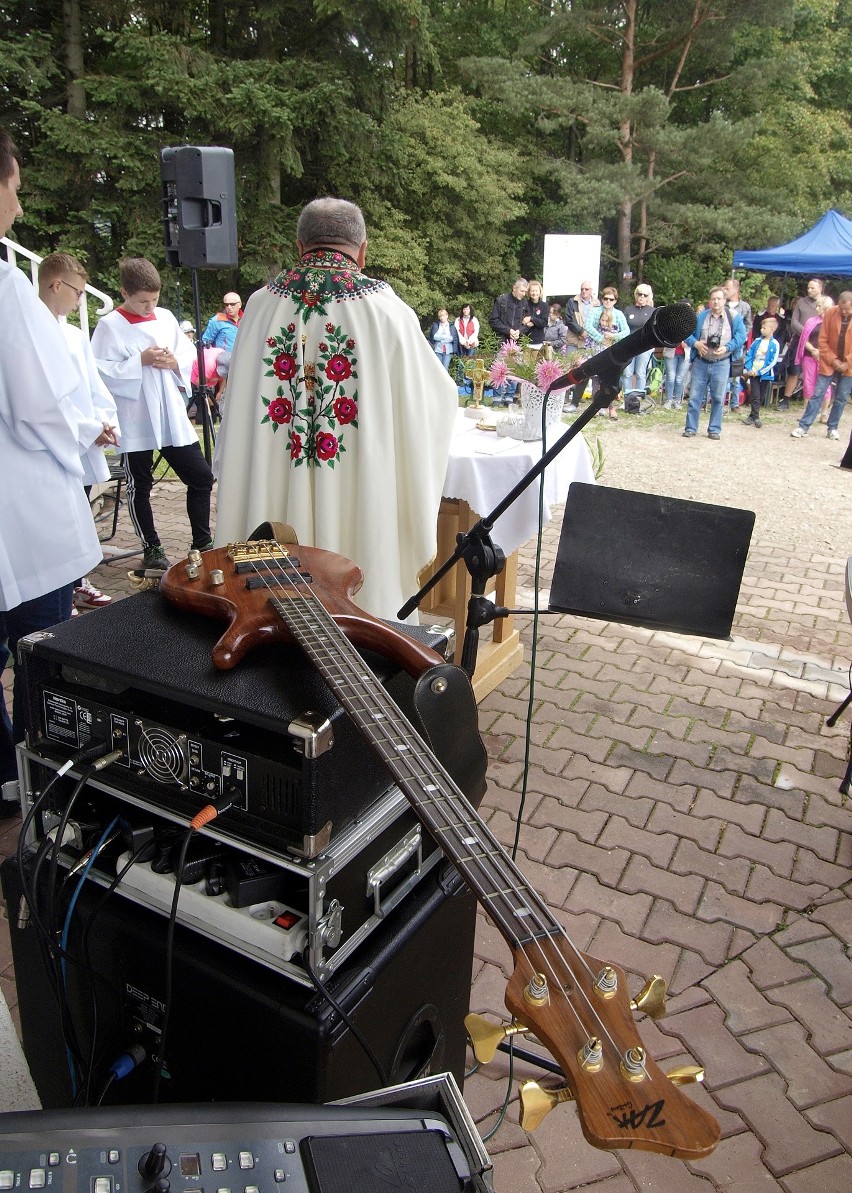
569 260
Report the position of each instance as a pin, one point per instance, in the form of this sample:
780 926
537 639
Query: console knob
155 1163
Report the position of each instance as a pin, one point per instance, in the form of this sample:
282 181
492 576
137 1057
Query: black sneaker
689 434
713 435
205 546
784 404
154 559
749 422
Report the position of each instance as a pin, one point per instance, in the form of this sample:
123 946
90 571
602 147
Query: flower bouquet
535 371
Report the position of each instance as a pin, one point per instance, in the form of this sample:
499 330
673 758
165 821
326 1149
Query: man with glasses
634 379
221 331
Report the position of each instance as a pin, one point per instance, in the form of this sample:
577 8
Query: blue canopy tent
825 249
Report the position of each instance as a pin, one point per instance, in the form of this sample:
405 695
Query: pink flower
345 410
284 366
498 372
546 372
295 445
280 410
325 444
338 368
270 342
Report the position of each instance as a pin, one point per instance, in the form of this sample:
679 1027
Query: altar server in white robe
339 414
61 286
146 362
47 536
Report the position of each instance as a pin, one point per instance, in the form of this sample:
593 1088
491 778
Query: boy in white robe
61 286
339 415
146 362
47 536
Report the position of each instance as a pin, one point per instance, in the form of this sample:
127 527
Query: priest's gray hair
331 221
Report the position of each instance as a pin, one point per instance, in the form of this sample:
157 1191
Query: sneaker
784 404
833 434
154 559
757 423
668 405
86 596
75 612
570 408
798 433
713 435
205 546
689 434
749 422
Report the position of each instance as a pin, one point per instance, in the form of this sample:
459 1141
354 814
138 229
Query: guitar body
578 1006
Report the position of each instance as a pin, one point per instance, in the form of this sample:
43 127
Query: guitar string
301 588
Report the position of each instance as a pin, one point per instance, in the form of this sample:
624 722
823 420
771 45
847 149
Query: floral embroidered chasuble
338 418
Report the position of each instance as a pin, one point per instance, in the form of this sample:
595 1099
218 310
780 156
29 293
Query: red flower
291 327
310 300
325 444
323 347
280 410
345 410
295 445
270 342
350 344
338 368
329 327
284 366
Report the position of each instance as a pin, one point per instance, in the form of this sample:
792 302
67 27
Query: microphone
666 328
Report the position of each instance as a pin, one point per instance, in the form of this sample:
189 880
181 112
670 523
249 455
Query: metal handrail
15 250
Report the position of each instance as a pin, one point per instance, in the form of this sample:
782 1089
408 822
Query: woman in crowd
536 321
807 355
444 339
606 325
467 329
675 373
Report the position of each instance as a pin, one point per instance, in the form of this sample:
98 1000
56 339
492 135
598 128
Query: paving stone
713 1046
611 777
746 1008
809 1078
736 1166
834 1116
651 1172
585 824
790 1141
829 1028
721 782
568 1161
790 801
749 817
535 841
828 958
628 910
705 832
658 847
730 873
656 765
822 1178
811 868
771 967
779 827
634 809
691 969
678 796
780 856
640 875
606 864
637 956
800 930
665 923
838 917
764 884
718 904
517 1170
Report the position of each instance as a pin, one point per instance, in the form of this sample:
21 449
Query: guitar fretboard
501 888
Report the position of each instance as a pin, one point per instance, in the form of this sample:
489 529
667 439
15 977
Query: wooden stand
500 649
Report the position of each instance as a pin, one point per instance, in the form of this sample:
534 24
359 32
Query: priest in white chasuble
338 415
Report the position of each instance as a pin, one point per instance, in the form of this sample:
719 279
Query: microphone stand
482 558
201 392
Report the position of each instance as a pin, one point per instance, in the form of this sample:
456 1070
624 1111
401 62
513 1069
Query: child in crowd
61 287
146 362
759 369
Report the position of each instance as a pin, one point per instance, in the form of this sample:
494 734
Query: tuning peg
485 1036
537 1102
686 1075
651 998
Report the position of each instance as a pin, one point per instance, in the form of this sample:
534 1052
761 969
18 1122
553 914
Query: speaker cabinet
199 206
237 1031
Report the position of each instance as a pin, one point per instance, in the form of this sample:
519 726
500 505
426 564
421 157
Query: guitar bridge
255 552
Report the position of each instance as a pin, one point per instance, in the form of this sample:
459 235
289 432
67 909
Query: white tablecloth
484 466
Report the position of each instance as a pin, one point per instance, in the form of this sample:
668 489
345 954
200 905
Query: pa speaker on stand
200 227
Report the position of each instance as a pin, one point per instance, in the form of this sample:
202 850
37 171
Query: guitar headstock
580 1009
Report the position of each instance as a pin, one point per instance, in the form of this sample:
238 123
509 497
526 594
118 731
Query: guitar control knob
217 577
155 1163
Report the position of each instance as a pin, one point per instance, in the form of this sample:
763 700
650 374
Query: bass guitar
576 1005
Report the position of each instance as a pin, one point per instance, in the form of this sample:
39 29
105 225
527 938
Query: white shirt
93 400
151 406
47 536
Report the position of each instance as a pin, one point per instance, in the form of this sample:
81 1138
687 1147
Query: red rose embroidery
295 445
284 366
345 410
280 410
338 368
350 344
325 444
291 327
323 347
310 300
270 343
329 327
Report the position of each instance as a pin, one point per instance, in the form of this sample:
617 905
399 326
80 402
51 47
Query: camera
714 341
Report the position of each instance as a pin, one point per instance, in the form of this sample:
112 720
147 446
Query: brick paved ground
683 817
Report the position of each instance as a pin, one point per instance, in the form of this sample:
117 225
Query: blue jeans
444 358
635 376
37 614
842 387
704 373
676 369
